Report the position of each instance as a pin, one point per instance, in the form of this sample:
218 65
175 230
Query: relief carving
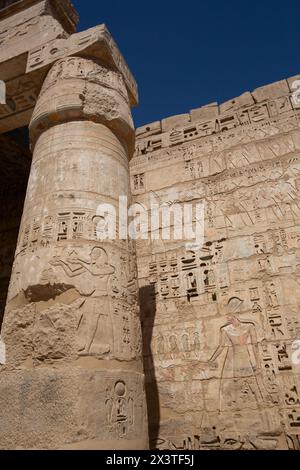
71 341
240 289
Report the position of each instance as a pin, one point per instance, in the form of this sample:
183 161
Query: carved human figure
239 370
196 341
95 329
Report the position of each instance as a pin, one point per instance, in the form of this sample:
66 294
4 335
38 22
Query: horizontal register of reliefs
60 259
221 323
77 89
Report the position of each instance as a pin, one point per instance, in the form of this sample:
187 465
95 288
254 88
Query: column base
72 408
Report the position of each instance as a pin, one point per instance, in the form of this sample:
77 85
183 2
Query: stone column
74 376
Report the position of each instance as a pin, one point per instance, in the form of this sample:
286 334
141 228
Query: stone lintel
96 43
62 10
24 29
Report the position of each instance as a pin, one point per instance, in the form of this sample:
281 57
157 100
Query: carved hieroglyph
222 324
73 374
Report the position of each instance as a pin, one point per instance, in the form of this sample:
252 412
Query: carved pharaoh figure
241 363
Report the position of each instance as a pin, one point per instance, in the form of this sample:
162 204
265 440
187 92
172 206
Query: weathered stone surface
67 408
221 324
220 340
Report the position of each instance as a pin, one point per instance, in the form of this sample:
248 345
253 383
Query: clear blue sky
188 54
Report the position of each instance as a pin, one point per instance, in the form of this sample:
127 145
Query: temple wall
15 164
220 321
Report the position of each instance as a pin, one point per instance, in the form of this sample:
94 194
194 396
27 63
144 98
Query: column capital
81 89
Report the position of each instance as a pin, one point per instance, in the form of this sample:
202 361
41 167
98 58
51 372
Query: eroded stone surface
220 323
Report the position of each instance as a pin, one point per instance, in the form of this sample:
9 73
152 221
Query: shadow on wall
148 311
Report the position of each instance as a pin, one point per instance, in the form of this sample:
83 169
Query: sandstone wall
220 323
